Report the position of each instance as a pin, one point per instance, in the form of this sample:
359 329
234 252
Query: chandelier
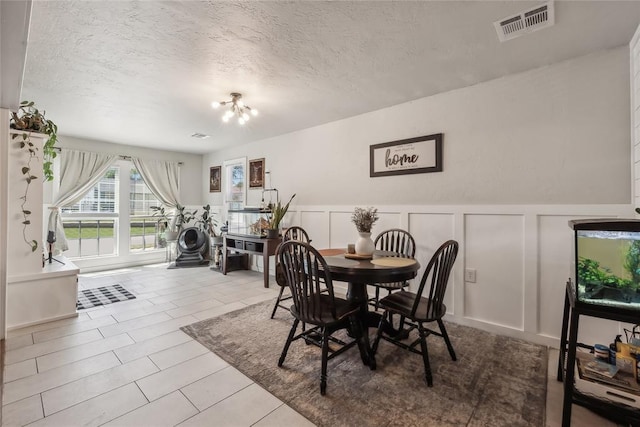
237 108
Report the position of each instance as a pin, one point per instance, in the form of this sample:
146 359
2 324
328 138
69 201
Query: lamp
236 108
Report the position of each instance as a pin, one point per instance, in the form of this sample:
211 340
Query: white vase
364 244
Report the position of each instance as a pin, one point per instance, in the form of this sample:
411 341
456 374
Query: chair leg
377 297
288 343
325 356
425 355
443 331
275 307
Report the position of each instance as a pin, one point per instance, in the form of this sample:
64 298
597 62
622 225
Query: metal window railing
89 237
145 234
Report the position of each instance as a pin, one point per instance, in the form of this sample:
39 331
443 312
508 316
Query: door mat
102 296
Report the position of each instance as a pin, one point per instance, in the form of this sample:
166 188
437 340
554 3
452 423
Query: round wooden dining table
383 267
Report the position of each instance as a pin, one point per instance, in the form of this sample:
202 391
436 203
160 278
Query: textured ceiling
145 73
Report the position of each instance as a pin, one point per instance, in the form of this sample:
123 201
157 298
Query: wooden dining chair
314 303
402 243
421 308
292 233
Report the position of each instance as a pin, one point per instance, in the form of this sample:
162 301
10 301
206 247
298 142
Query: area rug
496 381
101 296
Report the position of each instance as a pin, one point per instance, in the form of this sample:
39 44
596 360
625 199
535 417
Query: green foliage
162 218
29 118
277 213
206 221
183 217
175 221
590 273
632 261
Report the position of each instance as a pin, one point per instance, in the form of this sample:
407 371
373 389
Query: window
102 198
90 225
234 183
143 230
114 217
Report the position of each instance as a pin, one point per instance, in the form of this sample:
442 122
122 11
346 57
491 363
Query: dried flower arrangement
364 219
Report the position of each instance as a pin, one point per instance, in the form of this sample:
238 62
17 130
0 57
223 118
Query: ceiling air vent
528 21
199 135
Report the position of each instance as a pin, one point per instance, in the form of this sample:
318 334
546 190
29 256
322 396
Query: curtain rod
120 156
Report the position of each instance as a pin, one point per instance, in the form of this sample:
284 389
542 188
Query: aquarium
248 221
605 266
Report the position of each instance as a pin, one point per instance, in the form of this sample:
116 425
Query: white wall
554 135
522 155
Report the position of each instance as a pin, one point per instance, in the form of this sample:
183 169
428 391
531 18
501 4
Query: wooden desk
253 245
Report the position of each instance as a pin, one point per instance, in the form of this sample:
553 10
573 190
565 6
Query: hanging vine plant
30 119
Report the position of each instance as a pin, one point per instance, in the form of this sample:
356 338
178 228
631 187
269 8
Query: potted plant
364 220
29 119
207 223
162 224
182 218
278 211
172 223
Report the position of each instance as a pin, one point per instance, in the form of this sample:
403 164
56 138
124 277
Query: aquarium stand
249 245
568 344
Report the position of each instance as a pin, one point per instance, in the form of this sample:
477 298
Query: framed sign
215 179
256 173
414 155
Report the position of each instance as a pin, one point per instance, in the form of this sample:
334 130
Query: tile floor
128 364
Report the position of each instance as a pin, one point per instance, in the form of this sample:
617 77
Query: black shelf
569 343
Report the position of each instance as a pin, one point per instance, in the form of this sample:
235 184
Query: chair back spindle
396 240
296 233
308 277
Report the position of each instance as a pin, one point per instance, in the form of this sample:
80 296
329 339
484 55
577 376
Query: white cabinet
48 294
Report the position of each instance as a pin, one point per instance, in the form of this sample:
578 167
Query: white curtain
79 172
163 179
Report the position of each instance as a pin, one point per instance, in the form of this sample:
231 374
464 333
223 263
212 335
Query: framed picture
407 156
215 179
256 173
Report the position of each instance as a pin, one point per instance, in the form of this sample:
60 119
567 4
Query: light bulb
241 120
228 114
225 118
215 104
240 104
245 116
254 112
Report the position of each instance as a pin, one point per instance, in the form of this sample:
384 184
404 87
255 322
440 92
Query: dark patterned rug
496 381
102 296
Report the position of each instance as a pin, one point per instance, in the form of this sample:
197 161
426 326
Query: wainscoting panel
555 239
316 223
430 231
494 248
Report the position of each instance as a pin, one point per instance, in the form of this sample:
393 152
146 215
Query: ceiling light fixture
236 108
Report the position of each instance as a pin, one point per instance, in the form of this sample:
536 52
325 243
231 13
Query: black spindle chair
419 310
402 243
292 233
308 277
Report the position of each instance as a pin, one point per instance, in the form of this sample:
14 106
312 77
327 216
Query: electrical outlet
470 275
